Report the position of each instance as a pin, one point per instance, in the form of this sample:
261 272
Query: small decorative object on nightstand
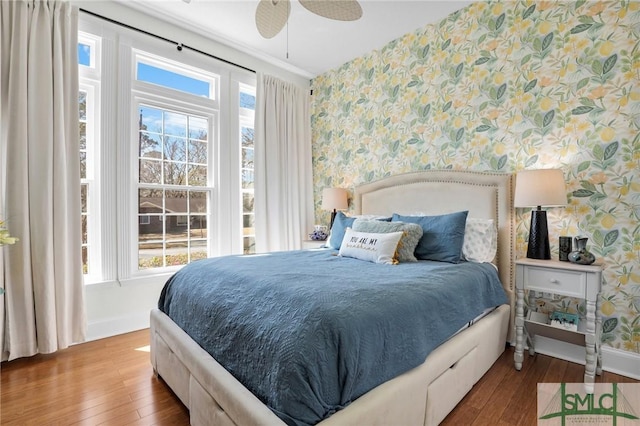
319 233
581 255
564 279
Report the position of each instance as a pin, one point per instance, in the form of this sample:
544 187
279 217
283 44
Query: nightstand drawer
567 283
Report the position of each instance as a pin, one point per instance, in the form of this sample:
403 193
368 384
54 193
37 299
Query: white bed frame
422 396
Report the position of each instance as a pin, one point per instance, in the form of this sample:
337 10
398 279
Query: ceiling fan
272 15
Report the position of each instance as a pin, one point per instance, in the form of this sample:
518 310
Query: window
88 99
247 109
161 179
173 182
156 71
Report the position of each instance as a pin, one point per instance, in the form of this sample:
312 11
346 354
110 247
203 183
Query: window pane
197 152
247 202
172 80
83 165
83 197
198 128
84 54
175 124
247 178
150 171
197 175
249 245
197 202
176 201
150 255
175 173
175 149
150 119
150 201
82 102
247 100
177 254
150 145
198 250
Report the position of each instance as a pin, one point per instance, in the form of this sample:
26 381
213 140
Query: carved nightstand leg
518 356
590 347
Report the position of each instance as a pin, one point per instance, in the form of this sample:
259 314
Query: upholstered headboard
485 195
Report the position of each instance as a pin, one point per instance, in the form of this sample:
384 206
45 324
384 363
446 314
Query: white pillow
369 246
480 240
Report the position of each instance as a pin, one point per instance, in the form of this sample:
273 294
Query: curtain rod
179 46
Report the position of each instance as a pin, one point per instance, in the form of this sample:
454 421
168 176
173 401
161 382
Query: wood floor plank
110 382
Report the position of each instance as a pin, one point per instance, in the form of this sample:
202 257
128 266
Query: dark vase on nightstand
581 255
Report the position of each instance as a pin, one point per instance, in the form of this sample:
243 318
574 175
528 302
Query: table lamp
537 188
334 199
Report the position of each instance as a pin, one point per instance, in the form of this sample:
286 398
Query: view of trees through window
172 225
84 185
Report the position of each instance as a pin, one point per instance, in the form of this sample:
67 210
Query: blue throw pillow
442 236
340 225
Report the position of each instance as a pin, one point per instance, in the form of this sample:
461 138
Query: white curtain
283 181
40 177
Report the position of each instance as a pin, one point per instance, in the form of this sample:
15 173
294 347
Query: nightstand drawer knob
554 281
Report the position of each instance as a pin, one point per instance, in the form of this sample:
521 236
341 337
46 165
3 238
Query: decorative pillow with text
369 246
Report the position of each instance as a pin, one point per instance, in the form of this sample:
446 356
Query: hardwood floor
111 382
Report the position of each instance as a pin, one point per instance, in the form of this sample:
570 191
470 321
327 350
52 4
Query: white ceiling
314 44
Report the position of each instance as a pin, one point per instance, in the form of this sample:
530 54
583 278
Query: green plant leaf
459 134
482 128
610 238
581 110
548 118
413 83
531 160
502 161
580 28
582 83
529 11
525 59
413 141
459 69
530 85
609 325
582 193
609 63
596 67
446 106
610 150
546 42
481 60
500 21
446 44
501 90
584 166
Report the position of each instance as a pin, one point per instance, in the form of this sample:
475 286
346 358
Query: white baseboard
613 360
114 326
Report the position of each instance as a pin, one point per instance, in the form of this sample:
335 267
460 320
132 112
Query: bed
423 395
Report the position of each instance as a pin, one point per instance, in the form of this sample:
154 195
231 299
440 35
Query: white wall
117 307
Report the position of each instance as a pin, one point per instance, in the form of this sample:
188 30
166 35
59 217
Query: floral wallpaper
506 86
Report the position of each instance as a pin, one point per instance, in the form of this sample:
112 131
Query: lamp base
333 217
538 247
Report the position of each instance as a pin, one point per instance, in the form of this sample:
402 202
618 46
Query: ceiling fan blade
271 16
340 10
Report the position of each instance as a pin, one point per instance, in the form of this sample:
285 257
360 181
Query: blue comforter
308 332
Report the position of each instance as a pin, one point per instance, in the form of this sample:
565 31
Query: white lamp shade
334 198
544 187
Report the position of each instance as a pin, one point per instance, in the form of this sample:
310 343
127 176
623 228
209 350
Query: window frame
117 165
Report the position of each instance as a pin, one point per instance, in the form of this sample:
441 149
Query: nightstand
563 279
313 244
